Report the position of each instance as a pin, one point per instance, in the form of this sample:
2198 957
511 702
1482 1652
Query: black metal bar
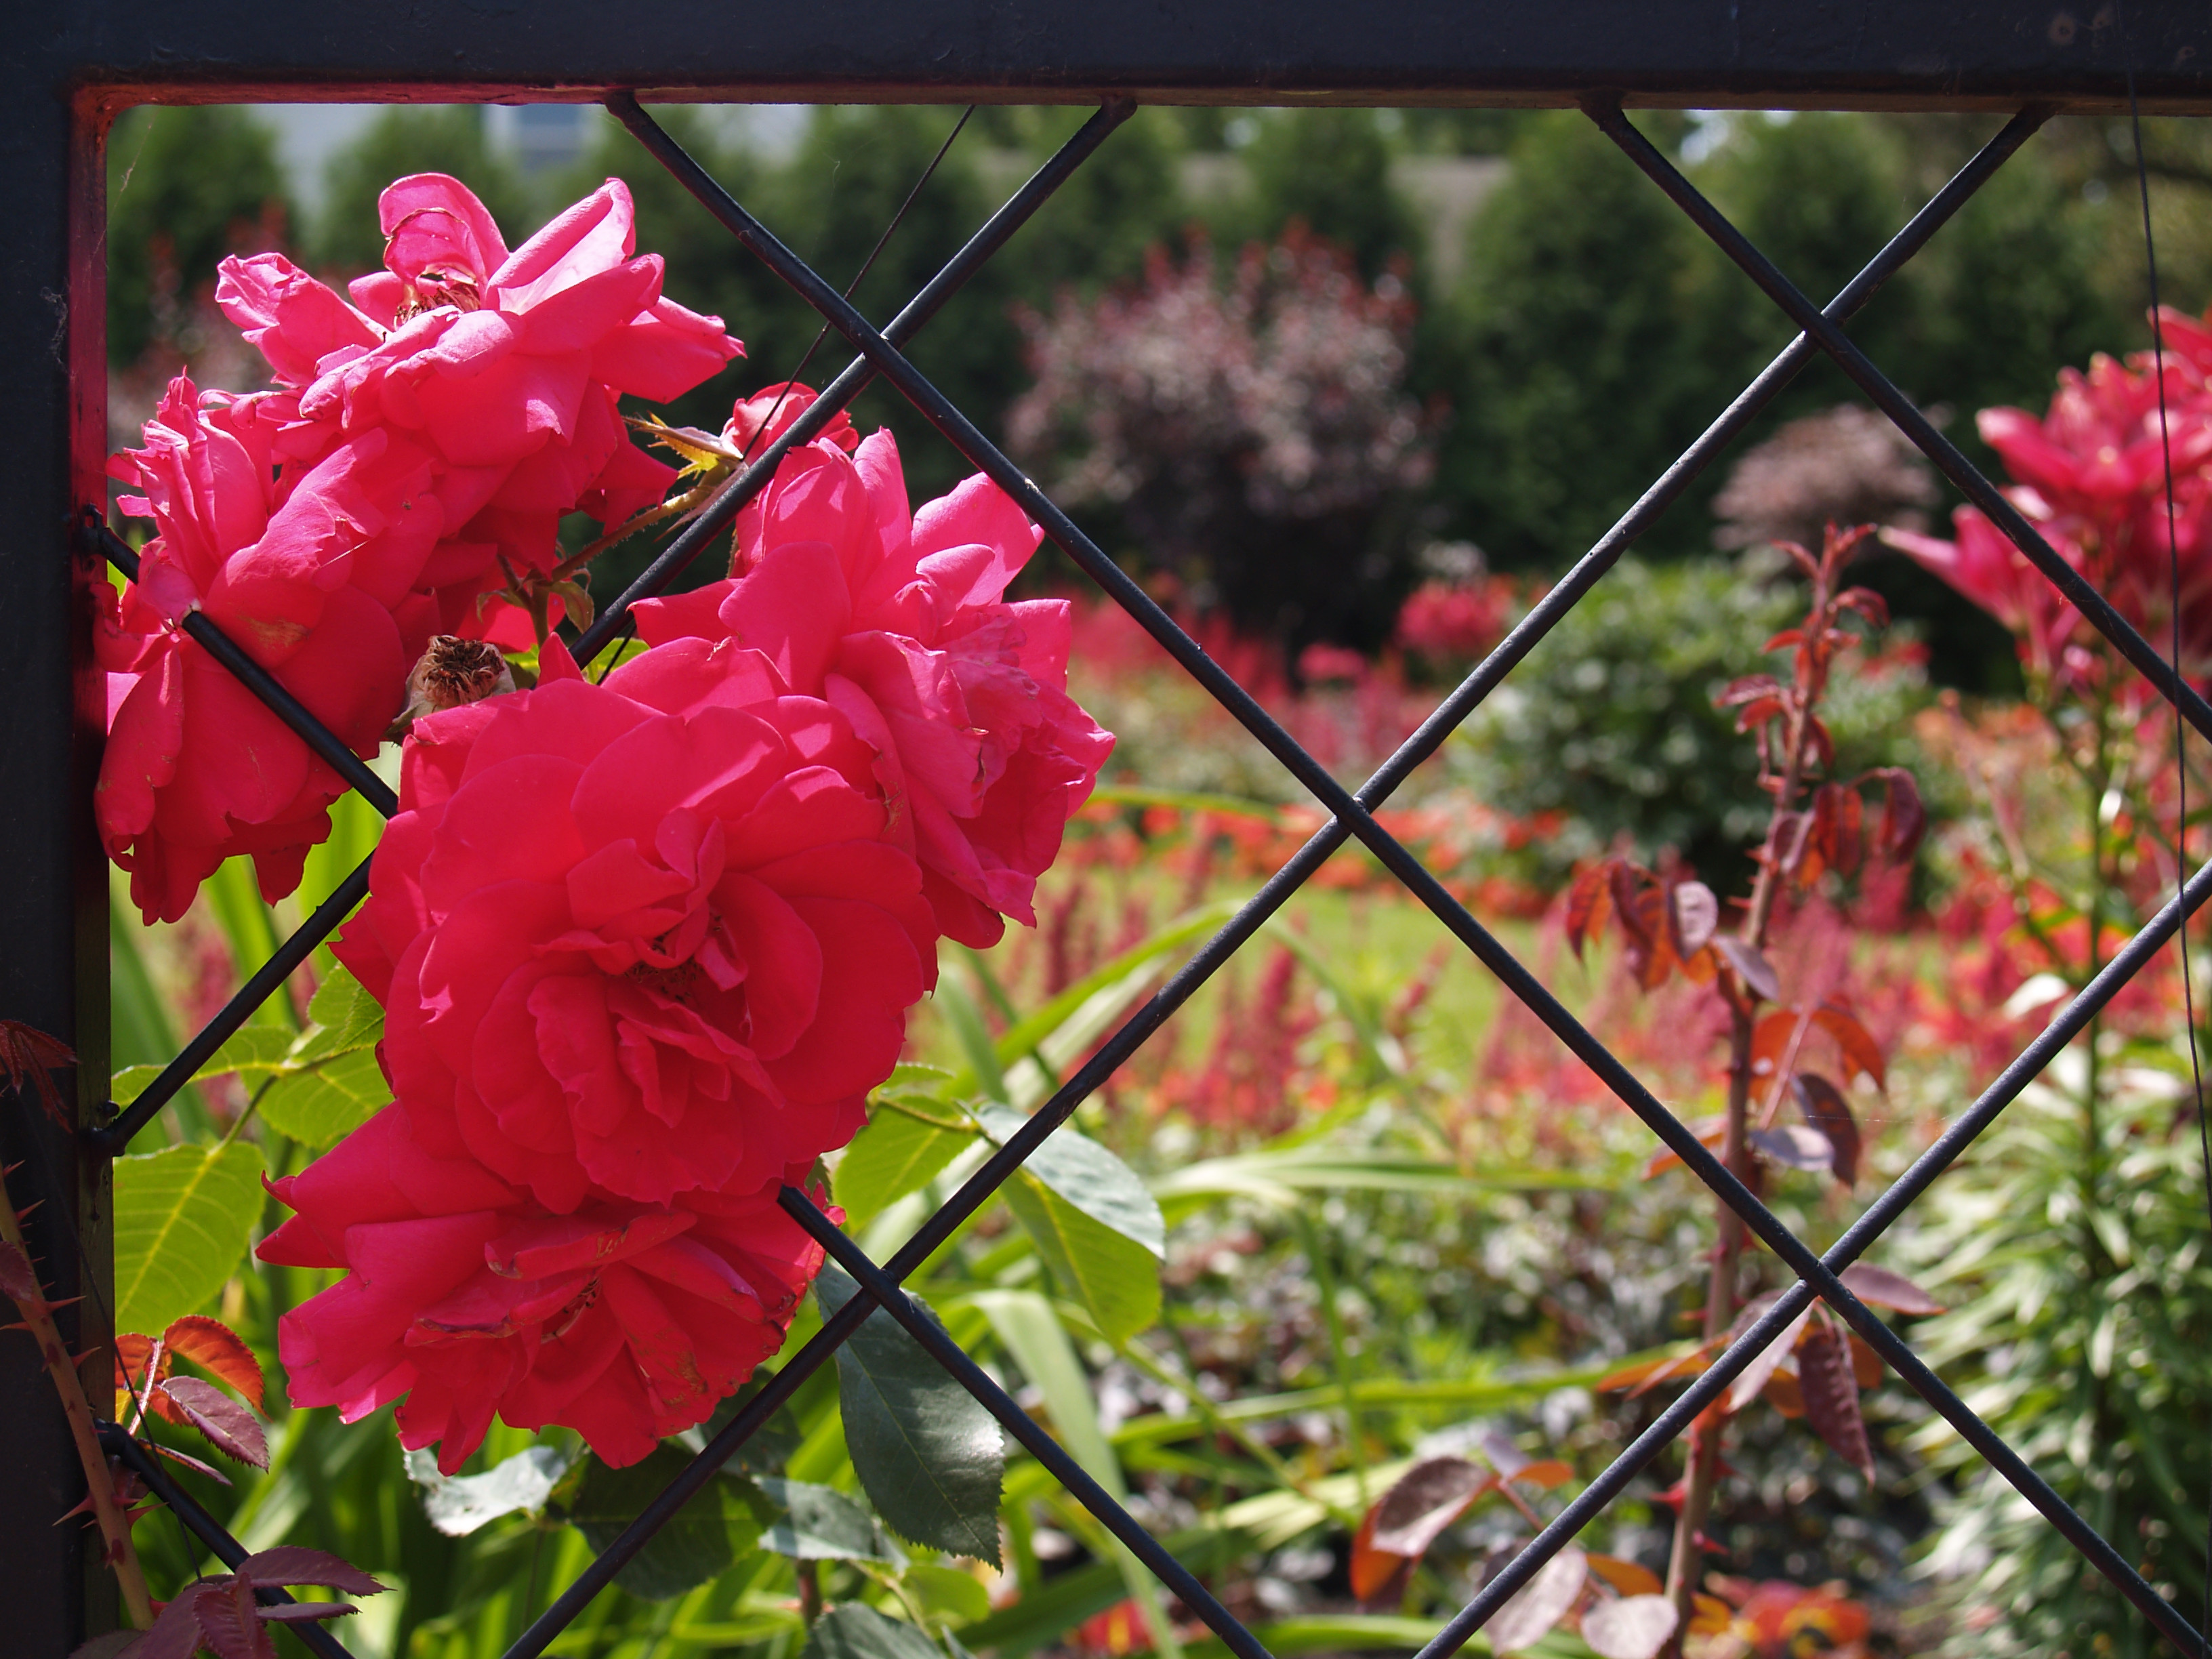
209 1531
1758 54
257 679
1516 978
888 1295
114 1136
730 499
2071 583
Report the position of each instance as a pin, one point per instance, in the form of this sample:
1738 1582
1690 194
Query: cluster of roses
644 945
417 454
2091 475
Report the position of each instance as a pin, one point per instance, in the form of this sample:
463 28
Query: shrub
1253 432
1611 720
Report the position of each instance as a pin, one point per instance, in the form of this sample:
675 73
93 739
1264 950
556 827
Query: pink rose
300 568
897 620
462 1299
506 365
643 938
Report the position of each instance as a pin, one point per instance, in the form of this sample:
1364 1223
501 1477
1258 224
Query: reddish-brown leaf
176 1632
1649 1372
133 1352
1771 1039
225 1609
1788 639
1633 1627
1824 745
1880 1288
292 1563
1832 1395
1751 966
1867 602
230 1426
1753 715
1712 1131
1833 842
1425 1500
1866 1363
1375 1573
1826 1109
189 1461
1629 1578
26 1054
1694 916
1782 1392
1544 1474
216 1349
1589 901
1904 817
295 1612
1860 1051
1750 689
1754 1377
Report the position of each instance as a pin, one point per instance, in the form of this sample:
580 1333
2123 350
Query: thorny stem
115 1527
1686 1559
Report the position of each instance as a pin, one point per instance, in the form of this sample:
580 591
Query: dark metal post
53 893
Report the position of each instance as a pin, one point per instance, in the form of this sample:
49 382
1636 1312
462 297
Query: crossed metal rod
1352 815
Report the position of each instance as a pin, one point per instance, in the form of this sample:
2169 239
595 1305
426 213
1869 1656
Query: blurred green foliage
413 138
1610 721
185 185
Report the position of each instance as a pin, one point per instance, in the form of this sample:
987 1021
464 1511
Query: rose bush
296 565
644 938
2090 474
506 367
463 1298
896 619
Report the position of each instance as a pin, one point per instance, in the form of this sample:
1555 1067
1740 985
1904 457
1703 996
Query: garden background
1400 1222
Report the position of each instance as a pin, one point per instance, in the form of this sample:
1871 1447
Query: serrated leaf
852 1630
457 1505
1537 1606
292 1563
699 1542
183 1218
819 1523
252 1051
1088 1176
1832 1395
1634 1627
230 1425
215 1348
324 1101
895 1154
345 1017
1116 1280
928 1454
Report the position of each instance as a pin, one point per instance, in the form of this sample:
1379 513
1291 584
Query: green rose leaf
183 1219
821 1523
327 1098
896 1154
698 1545
928 1452
854 1631
1098 1228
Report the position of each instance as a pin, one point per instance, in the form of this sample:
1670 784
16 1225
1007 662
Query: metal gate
67 72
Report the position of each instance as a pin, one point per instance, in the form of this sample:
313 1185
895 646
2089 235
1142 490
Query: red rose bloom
896 619
644 938
299 567
506 367
463 1298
